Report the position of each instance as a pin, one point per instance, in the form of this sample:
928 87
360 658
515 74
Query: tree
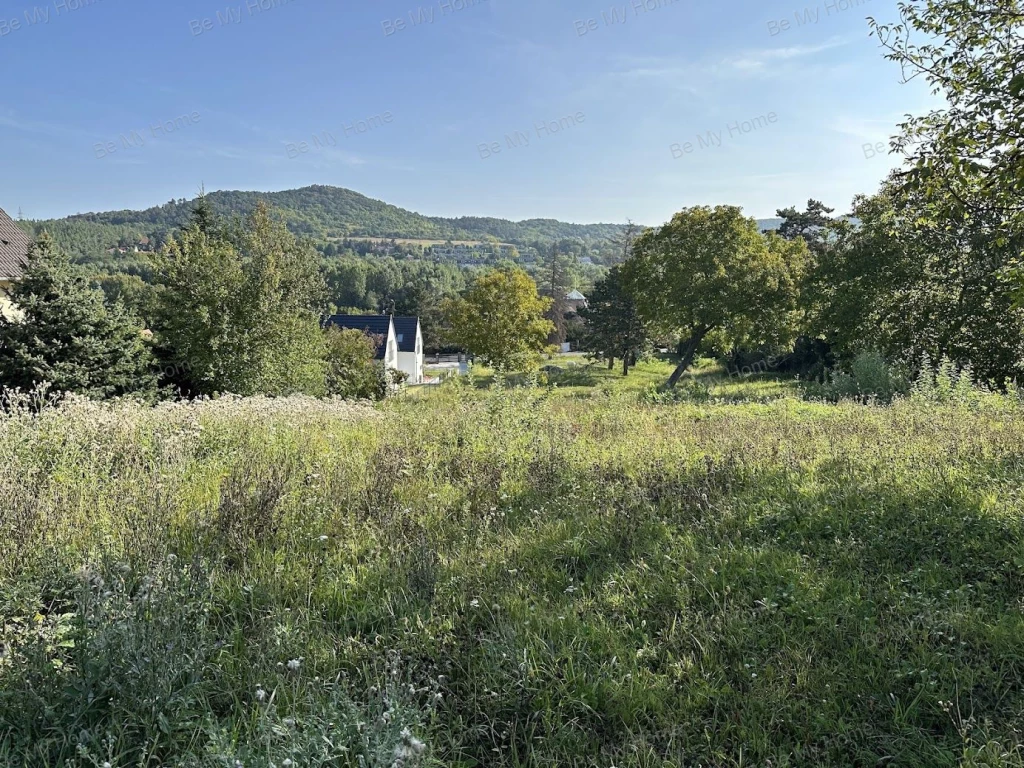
709 269
352 370
500 318
556 277
240 310
920 277
68 337
614 327
971 151
811 225
623 241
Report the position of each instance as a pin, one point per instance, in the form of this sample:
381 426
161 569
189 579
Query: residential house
399 340
574 301
379 327
410 347
14 245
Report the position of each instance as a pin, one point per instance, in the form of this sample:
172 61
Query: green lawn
514 577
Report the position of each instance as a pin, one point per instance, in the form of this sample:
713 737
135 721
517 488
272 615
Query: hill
318 212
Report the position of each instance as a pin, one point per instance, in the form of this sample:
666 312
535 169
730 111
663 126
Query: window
400 337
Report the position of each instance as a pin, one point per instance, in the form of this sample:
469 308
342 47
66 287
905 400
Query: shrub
870 378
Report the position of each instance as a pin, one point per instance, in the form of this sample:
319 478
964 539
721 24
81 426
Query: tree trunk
611 363
687 351
625 364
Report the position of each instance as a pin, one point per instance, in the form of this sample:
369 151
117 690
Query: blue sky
239 93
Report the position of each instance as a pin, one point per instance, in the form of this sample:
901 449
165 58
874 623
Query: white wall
412 362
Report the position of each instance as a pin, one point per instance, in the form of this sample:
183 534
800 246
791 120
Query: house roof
372 325
575 295
13 248
405 328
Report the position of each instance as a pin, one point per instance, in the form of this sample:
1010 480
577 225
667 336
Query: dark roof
13 248
405 328
373 325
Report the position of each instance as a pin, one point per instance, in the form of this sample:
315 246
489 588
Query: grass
514 577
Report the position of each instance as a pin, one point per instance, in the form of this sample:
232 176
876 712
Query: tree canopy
710 269
240 310
68 337
500 319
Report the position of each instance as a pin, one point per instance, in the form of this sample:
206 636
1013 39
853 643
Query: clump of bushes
870 378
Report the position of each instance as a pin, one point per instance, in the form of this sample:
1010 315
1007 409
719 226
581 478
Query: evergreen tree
67 336
614 327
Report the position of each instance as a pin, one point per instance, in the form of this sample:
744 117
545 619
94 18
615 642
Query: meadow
579 575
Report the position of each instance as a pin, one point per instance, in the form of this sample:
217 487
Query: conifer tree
67 336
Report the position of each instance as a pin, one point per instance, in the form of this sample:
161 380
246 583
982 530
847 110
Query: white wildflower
294 665
261 695
409 746
474 603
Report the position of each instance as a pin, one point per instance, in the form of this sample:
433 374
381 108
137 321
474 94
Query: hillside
329 212
317 212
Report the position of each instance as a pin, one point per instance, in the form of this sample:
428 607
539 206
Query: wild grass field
570 576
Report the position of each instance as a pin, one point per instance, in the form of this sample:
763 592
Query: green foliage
870 379
389 286
352 371
333 212
918 277
66 336
812 226
710 270
500 319
946 383
240 309
970 150
614 328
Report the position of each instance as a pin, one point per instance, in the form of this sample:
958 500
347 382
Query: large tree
68 337
614 328
971 52
710 269
500 318
240 307
919 277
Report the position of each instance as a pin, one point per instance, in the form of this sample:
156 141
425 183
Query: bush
352 371
870 378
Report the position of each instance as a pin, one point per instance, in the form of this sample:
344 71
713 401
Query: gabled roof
405 328
575 295
13 248
373 325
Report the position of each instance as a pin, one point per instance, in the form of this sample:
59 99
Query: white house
410 347
399 340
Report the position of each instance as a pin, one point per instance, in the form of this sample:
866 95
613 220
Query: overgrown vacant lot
506 578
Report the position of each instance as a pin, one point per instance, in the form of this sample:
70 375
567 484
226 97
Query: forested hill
328 212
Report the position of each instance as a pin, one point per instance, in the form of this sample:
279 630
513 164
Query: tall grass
512 578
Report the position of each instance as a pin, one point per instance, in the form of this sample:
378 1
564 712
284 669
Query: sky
579 110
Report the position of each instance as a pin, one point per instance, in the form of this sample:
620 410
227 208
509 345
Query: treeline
325 213
233 307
